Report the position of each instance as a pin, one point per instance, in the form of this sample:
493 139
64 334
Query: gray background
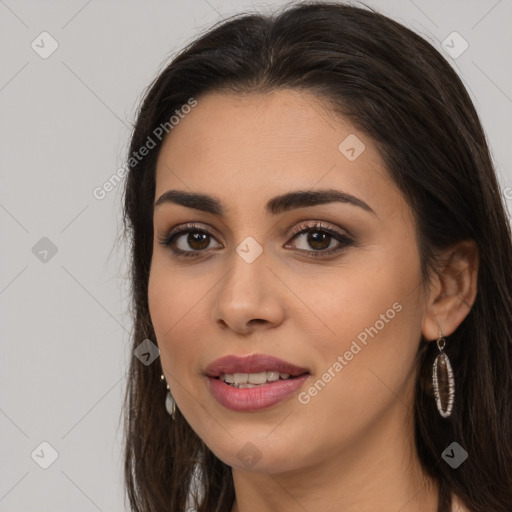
65 126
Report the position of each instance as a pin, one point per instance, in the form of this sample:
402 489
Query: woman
320 252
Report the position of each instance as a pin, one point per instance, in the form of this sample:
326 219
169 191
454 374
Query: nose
249 297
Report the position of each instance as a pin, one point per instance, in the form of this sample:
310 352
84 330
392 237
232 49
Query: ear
452 289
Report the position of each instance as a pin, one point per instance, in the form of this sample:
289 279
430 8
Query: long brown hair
394 86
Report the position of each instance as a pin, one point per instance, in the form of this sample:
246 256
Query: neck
379 471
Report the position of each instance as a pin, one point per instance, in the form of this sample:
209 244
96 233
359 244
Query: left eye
318 237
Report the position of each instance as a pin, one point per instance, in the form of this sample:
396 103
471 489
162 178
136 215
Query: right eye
197 239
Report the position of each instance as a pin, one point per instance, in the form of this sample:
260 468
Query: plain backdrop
65 123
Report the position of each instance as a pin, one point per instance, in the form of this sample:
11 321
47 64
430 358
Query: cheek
366 300
173 300
368 360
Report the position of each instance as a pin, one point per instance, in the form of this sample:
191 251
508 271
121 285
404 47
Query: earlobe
453 290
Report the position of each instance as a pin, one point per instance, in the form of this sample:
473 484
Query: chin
259 454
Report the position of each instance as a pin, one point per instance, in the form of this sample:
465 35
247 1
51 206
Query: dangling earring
170 404
442 368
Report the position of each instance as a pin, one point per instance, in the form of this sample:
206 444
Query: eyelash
345 241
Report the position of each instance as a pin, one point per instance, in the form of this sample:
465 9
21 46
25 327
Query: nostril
258 321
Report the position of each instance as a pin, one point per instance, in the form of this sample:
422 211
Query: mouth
253 382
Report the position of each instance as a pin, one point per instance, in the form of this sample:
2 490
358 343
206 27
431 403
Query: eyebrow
276 205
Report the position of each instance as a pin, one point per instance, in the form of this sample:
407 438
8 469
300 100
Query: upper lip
252 363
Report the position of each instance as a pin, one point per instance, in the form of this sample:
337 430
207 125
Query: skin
351 447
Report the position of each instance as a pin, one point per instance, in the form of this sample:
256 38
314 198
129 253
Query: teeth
272 376
241 378
251 380
258 378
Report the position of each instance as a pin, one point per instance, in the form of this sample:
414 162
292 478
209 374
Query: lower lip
253 399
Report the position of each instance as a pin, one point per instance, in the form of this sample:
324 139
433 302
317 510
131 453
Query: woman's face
343 304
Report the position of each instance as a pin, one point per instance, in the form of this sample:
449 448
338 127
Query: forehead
249 147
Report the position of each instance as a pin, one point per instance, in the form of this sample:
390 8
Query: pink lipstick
253 382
